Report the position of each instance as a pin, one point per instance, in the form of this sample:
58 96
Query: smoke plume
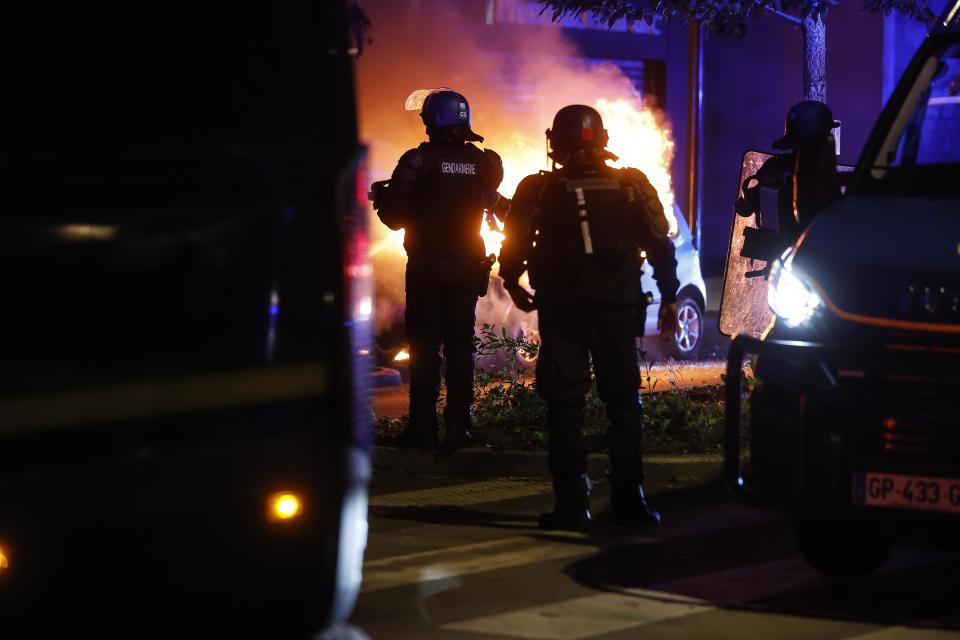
515 78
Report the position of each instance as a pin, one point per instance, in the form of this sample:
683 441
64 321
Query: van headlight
791 296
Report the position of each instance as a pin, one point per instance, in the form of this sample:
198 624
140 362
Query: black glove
378 191
667 322
483 274
522 298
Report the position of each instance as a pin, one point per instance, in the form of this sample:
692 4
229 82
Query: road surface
461 559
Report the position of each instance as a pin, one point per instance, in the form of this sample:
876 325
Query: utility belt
469 274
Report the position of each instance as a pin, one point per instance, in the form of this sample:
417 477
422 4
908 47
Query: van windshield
921 152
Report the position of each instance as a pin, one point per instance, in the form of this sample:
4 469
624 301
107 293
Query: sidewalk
663 472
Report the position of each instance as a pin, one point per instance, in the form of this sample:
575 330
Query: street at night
480 319
453 557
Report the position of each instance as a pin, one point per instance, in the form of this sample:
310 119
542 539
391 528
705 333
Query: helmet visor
415 100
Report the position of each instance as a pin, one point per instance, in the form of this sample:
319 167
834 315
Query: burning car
854 424
641 137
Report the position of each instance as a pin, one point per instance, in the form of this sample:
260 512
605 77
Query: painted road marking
462 495
610 612
421 568
592 616
431 554
585 617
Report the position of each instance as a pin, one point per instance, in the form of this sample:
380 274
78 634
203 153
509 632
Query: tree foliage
359 25
721 16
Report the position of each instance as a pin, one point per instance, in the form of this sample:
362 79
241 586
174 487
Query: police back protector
587 244
443 240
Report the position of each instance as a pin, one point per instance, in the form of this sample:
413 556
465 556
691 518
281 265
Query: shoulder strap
430 159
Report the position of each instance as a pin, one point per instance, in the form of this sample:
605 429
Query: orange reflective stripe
889 323
151 398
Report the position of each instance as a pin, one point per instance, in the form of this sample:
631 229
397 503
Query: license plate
906 492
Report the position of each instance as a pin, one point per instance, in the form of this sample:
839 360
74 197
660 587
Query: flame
641 143
393 240
492 238
641 139
636 136
403 355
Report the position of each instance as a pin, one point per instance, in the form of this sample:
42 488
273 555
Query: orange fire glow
403 355
641 143
635 135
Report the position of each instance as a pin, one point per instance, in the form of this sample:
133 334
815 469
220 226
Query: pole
694 98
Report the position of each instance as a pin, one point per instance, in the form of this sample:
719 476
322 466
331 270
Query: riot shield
743 303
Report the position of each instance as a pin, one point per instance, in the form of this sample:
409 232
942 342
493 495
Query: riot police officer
804 177
578 231
437 194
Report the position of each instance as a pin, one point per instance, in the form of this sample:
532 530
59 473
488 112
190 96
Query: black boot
572 510
629 505
457 420
458 414
456 436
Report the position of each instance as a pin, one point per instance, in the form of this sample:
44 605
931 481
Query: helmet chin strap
452 134
582 156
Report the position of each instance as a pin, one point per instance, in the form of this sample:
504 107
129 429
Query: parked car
497 309
855 412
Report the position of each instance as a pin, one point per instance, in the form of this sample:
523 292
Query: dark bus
185 428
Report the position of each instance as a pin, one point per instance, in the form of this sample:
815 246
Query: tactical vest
587 241
449 210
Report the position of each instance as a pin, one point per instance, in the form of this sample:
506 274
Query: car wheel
842 545
686 342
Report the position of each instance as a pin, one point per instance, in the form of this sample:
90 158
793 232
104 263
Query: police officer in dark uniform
437 194
805 177
578 231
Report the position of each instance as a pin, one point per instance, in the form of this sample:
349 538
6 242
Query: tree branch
722 16
786 16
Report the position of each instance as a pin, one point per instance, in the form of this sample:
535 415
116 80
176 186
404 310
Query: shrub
508 413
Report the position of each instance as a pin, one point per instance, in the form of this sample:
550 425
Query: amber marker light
283 505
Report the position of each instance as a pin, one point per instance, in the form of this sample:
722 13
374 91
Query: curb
662 471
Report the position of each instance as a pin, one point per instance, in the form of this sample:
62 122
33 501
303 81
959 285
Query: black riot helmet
806 118
576 127
447 115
